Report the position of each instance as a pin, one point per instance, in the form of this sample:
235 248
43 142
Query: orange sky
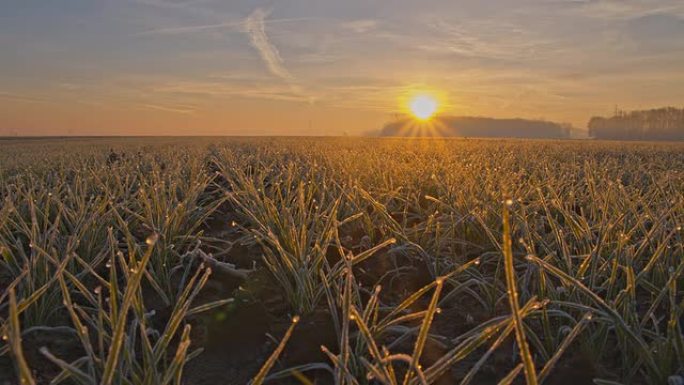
304 67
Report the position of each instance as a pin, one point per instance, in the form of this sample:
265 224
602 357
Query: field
341 261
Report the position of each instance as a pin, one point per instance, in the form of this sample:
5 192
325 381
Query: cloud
225 88
256 29
190 29
360 26
230 25
626 9
20 98
175 109
170 4
486 39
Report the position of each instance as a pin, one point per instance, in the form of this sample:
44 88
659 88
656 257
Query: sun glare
423 107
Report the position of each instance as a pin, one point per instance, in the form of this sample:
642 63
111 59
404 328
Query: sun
423 107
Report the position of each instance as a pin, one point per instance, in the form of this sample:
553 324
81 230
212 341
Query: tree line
656 124
465 126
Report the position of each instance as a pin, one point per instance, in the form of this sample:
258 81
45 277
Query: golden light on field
423 107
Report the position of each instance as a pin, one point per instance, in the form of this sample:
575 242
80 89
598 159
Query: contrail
255 27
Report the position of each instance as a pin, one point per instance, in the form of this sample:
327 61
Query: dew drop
152 239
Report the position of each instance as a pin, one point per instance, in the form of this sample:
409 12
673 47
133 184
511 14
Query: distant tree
465 126
657 124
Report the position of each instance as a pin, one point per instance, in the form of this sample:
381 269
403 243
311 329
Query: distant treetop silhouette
657 124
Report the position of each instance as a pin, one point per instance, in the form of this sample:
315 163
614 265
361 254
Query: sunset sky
320 67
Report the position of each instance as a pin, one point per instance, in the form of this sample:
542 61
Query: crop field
341 261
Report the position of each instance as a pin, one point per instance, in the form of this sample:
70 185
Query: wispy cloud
256 29
21 98
192 28
224 88
231 25
625 9
174 109
170 4
485 39
360 26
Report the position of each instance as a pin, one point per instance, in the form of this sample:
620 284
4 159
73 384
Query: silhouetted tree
656 124
447 126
